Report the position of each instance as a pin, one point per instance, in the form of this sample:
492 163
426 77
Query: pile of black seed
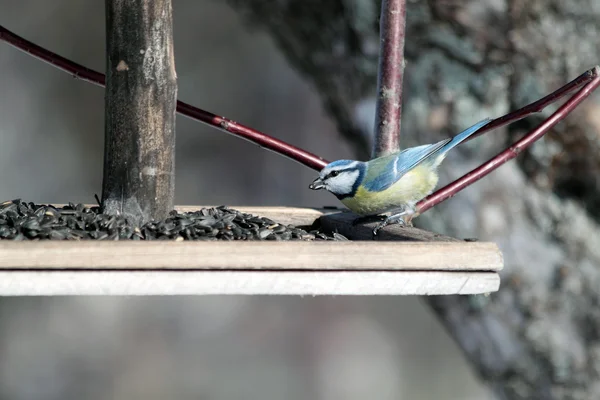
28 221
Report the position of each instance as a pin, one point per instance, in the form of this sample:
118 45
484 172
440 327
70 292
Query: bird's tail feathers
464 135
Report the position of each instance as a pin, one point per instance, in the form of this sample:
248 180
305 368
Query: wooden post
141 95
389 81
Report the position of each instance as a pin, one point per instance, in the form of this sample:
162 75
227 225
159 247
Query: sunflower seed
28 221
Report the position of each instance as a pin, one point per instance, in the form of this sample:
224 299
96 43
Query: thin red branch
80 72
77 70
252 135
389 82
451 189
538 105
310 160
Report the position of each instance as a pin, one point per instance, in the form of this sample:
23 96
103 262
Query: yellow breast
412 187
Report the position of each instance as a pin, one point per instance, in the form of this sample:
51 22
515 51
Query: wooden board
419 263
259 255
65 283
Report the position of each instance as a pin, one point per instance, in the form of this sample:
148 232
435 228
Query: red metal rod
451 189
389 82
80 72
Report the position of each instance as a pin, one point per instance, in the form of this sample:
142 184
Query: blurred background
214 348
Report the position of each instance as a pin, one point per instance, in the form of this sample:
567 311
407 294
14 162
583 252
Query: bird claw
404 219
388 221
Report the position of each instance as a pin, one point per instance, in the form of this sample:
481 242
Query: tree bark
141 93
539 336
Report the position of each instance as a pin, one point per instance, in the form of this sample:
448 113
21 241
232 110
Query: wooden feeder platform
402 261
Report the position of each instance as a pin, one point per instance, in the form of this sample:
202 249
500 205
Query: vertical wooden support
389 81
141 95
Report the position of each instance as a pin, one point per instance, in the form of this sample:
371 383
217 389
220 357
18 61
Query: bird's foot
368 218
404 218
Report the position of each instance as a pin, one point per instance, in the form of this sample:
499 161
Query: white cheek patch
342 184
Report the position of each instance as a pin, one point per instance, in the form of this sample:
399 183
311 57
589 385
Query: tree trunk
539 336
141 93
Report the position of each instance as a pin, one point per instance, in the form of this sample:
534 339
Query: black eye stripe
335 173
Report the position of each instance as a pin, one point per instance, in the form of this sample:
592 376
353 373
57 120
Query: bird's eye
334 173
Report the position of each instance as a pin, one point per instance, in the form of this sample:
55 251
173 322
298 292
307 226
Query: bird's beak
317 184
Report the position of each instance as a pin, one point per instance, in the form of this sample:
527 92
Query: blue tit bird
392 183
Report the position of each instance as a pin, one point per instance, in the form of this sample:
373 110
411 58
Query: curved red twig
80 72
466 180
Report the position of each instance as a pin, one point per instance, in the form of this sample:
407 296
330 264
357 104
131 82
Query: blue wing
383 172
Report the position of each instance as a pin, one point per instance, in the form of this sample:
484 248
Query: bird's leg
403 218
368 218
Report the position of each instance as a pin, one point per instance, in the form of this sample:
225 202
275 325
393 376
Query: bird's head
341 178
